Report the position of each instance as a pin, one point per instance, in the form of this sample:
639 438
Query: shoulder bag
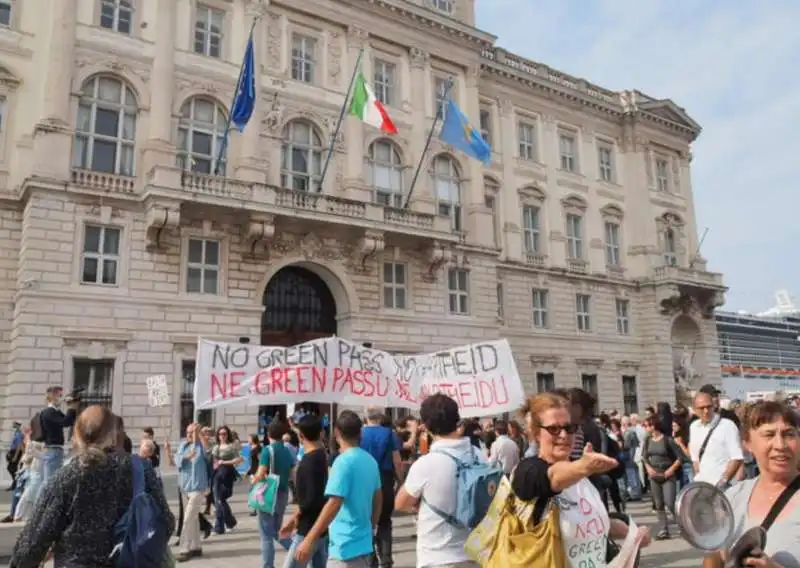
264 494
781 502
708 437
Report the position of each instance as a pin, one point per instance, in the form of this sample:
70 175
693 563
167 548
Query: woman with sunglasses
550 476
227 456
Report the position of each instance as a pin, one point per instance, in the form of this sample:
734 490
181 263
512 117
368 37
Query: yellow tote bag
505 538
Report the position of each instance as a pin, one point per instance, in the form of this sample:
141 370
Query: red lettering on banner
226 385
475 393
586 507
234 383
594 527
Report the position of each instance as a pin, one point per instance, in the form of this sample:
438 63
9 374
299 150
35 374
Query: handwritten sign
157 391
482 377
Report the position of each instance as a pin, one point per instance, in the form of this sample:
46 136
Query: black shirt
312 476
155 459
53 422
531 482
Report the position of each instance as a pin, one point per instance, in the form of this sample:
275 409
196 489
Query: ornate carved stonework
274 34
591 365
329 123
545 360
256 8
260 229
419 58
473 75
310 245
369 245
436 256
114 63
335 58
161 217
628 101
357 35
209 87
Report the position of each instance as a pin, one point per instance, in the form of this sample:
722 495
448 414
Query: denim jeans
319 558
687 469
52 459
269 526
225 516
16 494
633 481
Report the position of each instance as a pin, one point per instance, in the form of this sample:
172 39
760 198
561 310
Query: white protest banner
482 377
157 391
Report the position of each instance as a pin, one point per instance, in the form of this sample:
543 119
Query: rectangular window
385 75
589 384
96 378
439 94
541 310
303 58
486 125
623 317
458 291
116 15
100 258
445 6
203 267
574 237
612 244
491 204
545 382
395 285
204 417
5 12
208 31
670 248
531 228
630 395
605 164
501 312
662 174
527 141
567 148
583 304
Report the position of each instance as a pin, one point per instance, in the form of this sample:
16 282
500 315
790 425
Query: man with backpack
452 487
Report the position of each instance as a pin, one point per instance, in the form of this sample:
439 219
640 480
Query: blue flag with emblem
245 100
459 133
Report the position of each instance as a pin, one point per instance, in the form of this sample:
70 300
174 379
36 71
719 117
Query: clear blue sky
735 67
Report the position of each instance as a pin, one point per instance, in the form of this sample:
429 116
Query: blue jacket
193 472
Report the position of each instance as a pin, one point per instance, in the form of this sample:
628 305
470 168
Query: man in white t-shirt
719 440
505 451
432 479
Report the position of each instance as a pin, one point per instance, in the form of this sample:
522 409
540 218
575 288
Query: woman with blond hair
551 477
80 505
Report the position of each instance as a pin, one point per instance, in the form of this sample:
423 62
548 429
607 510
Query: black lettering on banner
354 356
227 358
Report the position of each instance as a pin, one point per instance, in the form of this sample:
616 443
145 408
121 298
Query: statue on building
684 371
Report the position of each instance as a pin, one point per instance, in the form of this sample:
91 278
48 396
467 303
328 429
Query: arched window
447 189
105 135
670 247
301 165
201 131
386 171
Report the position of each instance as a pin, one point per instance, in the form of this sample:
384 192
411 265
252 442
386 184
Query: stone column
251 162
419 61
355 183
479 218
159 150
509 198
53 131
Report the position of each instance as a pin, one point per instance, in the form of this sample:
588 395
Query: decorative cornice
101 335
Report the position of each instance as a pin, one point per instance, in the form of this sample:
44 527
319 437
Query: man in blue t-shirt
354 501
383 444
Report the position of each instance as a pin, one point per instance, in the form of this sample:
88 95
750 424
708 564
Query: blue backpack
476 485
141 533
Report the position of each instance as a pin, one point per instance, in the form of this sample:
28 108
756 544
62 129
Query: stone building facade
123 238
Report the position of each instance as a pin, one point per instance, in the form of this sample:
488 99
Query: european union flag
245 101
459 133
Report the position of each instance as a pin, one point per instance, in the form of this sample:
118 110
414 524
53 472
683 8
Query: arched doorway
298 307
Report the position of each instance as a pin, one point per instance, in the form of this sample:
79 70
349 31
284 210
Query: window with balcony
501 311
116 15
447 189
386 171
395 285
485 116
612 244
458 291
670 248
630 395
385 77
574 237
204 417
100 258
541 309
623 316
662 174
605 162
5 12
568 152
203 267
526 134
201 131
304 49
583 311
440 94
545 382
531 227
105 133
302 156
208 31
96 378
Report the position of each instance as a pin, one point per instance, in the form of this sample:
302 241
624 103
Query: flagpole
342 112
439 112
223 148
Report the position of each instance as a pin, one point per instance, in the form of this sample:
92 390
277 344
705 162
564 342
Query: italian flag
368 108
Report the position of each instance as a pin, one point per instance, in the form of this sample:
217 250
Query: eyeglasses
555 429
222 433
